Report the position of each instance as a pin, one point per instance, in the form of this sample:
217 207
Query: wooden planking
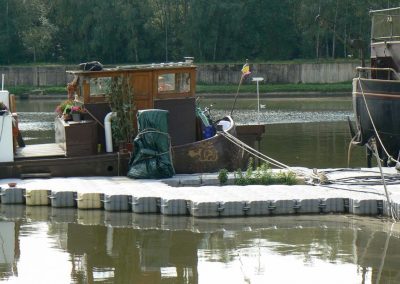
39 150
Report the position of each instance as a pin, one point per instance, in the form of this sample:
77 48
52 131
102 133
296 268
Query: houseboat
376 89
89 147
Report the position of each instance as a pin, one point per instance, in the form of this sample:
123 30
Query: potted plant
77 112
120 97
63 110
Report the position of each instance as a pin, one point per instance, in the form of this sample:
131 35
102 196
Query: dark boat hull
112 164
382 98
209 155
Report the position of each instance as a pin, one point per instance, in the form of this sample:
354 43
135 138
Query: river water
50 245
309 132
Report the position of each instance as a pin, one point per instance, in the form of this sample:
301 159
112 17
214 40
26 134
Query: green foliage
64 107
263 175
269 88
120 97
49 90
223 176
123 31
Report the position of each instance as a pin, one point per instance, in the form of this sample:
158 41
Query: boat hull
209 155
382 99
112 164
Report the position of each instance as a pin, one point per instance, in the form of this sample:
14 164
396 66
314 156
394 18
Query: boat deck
39 151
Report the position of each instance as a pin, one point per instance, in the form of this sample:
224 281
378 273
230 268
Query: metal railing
361 70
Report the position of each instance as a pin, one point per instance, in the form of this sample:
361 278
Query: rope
372 121
98 121
314 176
393 214
349 150
153 130
262 156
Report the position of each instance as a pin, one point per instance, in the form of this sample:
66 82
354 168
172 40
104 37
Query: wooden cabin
162 86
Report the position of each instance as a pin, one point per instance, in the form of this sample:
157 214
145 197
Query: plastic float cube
37 197
89 201
309 206
232 208
332 205
364 207
282 207
146 204
12 195
61 199
117 202
203 209
174 207
258 208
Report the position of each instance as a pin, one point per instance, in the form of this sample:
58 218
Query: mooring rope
349 151
264 157
390 209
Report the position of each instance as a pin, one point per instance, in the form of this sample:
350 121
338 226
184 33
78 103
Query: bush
223 176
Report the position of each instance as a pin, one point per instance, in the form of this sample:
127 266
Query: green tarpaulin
152 147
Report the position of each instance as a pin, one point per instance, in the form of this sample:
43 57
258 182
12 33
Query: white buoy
257 80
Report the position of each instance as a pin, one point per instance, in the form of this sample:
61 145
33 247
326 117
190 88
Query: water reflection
313 145
74 246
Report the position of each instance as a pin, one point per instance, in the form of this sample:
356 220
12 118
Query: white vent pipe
108 132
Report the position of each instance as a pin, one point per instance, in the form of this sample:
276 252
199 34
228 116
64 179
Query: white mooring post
257 80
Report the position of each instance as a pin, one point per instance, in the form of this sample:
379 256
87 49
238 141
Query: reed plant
263 175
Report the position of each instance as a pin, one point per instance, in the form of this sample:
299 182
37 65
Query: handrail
385 37
384 10
379 69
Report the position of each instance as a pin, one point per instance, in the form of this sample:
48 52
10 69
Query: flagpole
237 93
245 71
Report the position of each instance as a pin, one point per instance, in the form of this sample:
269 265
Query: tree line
146 31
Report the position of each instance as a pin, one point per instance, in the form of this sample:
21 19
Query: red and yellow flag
246 70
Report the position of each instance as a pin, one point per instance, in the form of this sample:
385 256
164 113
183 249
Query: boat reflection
129 248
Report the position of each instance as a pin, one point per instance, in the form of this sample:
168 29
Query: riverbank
352 191
216 91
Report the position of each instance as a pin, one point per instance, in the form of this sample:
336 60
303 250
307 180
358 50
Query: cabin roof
141 67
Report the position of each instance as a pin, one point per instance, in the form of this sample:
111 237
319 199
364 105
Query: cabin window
174 82
99 86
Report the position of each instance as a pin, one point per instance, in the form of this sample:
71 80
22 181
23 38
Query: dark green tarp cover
152 147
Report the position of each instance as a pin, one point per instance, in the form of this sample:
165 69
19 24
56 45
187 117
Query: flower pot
76 117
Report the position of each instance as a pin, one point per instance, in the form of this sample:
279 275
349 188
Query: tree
36 30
